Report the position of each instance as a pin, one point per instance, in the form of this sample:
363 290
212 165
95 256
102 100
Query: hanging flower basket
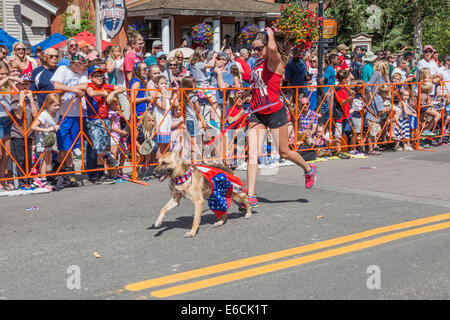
248 32
202 33
301 26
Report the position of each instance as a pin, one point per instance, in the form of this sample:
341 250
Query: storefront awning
215 8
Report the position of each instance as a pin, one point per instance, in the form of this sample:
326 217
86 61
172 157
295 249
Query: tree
410 22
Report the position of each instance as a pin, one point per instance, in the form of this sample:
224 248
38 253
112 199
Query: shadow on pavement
186 222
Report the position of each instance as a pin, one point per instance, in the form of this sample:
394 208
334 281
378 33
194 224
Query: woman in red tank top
273 52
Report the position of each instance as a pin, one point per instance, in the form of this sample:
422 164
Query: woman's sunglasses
258 49
20 49
172 65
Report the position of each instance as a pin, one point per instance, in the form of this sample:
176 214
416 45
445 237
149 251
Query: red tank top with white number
265 88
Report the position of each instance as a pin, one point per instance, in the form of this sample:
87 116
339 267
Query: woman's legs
256 133
281 138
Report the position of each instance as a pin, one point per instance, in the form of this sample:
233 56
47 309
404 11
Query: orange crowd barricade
322 126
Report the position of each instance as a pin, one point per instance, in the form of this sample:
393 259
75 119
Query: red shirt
344 64
247 70
129 62
233 112
342 94
98 103
265 88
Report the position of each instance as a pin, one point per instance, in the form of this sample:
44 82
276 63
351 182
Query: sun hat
369 56
78 58
147 147
342 47
49 140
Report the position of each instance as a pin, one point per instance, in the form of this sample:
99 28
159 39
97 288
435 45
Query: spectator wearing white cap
428 62
156 48
367 71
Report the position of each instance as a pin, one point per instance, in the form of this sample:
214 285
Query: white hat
369 56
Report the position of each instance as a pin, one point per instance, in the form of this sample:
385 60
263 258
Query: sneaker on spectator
310 177
39 183
111 161
343 155
428 133
124 176
107 180
26 187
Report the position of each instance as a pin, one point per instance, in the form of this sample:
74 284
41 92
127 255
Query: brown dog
196 188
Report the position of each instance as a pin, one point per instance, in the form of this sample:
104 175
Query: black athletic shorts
271 120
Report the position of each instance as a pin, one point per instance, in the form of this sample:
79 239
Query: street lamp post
98 27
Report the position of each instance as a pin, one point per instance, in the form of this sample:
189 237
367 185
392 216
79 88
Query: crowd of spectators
96 102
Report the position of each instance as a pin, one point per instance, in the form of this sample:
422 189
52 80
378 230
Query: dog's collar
180 180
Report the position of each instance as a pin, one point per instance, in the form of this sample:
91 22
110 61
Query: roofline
198 12
48 6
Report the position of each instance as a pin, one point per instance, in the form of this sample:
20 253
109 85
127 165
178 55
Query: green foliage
85 25
397 25
437 32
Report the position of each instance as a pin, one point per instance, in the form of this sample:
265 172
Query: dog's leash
234 124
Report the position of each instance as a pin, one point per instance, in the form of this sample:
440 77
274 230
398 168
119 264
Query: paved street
248 258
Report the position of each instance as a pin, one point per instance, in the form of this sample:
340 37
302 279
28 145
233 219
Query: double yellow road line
270 257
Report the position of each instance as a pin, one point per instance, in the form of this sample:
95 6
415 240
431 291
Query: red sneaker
310 178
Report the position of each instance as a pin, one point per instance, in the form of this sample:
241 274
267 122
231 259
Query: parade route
299 244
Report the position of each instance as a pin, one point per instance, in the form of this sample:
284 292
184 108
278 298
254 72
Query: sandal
374 153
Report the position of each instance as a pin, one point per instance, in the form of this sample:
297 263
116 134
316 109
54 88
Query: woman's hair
145 128
171 59
111 52
382 67
136 73
50 99
234 70
196 57
7 86
188 82
178 53
283 46
13 52
424 73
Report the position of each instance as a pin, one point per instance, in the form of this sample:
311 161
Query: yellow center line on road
232 265
294 262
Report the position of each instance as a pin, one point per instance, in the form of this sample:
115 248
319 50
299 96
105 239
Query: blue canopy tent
50 41
7 40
